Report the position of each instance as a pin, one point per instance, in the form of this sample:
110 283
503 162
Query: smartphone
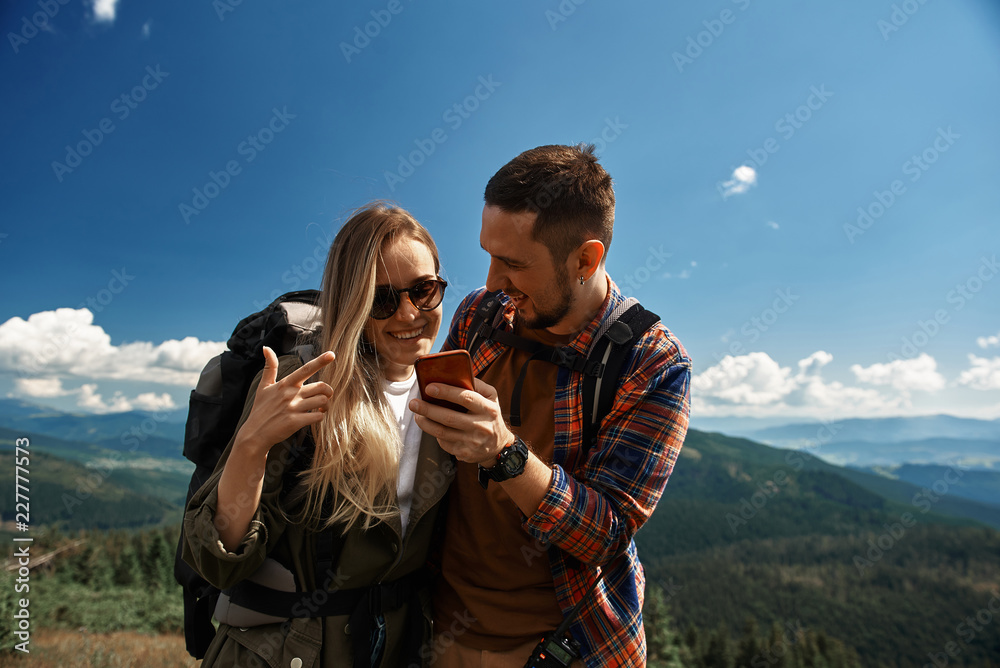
453 367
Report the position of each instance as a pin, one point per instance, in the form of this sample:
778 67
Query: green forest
755 557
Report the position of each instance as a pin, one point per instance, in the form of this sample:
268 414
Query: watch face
514 462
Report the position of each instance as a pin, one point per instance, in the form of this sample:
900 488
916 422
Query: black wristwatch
510 464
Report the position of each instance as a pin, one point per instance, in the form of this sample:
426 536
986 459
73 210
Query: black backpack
218 401
601 367
215 408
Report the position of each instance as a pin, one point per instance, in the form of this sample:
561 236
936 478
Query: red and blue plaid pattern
597 502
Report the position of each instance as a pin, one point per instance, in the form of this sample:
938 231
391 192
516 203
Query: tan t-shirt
492 569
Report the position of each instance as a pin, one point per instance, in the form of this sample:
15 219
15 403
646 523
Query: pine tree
663 645
719 653
749 645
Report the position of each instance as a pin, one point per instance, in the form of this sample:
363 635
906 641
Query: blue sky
743 137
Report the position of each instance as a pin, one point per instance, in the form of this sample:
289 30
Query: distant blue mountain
879 430
160 434
877 442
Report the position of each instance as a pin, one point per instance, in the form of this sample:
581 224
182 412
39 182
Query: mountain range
887 560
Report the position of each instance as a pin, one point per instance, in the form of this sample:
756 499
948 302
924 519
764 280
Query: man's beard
552 317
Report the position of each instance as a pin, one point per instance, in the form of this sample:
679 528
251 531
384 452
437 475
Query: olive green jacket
380 554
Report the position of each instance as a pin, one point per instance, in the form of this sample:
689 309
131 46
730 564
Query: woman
311 516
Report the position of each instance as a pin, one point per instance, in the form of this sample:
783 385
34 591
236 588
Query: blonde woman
318 519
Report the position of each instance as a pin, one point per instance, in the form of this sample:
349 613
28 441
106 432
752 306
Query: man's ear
590 255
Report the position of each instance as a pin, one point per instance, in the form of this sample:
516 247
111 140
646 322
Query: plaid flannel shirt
595 504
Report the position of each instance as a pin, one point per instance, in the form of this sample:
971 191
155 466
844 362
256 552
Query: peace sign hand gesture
281 408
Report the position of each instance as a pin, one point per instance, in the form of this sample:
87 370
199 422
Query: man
519 554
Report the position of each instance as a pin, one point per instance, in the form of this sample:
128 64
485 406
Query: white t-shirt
399 394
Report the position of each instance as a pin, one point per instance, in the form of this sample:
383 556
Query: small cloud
984 374
684 273
811 365
773 225
744 177
91 400
154 402
988 341
40 387
87 396
104 10
146 28
919 373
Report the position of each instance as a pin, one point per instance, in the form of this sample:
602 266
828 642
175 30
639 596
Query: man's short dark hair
571 193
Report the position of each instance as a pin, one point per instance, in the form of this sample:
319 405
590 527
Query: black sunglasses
425 296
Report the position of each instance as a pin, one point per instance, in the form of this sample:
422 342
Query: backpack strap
605 359
612 348
482 323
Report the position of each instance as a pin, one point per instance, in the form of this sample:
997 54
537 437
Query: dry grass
53 648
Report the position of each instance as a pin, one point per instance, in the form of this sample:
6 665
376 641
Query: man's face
523 268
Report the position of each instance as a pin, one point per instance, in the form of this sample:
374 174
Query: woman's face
408 333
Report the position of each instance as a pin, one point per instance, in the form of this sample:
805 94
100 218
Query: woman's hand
281 408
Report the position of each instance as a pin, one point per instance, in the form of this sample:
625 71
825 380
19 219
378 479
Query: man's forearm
528 489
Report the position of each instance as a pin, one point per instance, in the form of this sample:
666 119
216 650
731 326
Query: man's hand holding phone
445 380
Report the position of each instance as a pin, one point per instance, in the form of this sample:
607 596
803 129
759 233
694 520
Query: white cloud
919 373
752 379
773 225
148 401
104 10
756 385
65 342
984 374
988 341
744 177
811 365
92 401
146 27
88 397
40 387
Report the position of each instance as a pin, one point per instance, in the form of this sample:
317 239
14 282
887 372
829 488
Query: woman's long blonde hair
356 463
